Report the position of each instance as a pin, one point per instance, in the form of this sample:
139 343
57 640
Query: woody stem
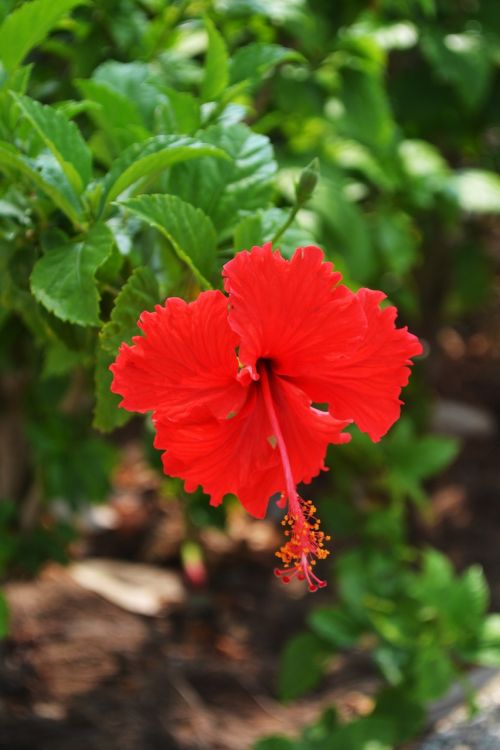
293 499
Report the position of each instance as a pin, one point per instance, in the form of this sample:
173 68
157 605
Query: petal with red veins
291 312
185 361
366 386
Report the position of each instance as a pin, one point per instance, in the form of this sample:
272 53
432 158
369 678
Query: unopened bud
307 182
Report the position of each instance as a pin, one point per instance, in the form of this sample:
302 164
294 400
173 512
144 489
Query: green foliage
138 294
62 138
216 75
63 279
301 665
28 25
191 233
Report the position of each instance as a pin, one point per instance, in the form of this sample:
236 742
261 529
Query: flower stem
286 224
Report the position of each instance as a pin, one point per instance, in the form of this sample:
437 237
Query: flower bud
307 182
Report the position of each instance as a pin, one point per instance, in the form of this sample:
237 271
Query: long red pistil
305 541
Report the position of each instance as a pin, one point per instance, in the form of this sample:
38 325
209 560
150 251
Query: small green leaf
138 294
28 25
62 138
63 280
190 231
46 174
254 60
301 665
149 158
216 76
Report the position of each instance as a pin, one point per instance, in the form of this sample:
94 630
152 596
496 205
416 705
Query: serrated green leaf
114 113
46 174
62 138
151 157
63 280
254 60
216 76
225 189
138 294
190 231
301 666
28 25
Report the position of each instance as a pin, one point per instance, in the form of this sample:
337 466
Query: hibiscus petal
365 387
291 312
307 431
184 362
240 456
230 456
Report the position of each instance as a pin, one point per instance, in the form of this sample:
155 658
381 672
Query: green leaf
190 231
433 672
63 280
254 60
477 191
396 238
45 172
114 114
28 25
224 189
151 157
462 61
412 458
367 116
216 76
488 650
349 227
301 666
180 113
138 294
335 626
62 138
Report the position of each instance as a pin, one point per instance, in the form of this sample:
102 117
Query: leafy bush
141 144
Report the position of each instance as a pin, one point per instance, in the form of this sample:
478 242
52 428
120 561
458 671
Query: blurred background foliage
142 143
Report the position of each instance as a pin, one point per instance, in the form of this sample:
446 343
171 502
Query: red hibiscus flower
232 382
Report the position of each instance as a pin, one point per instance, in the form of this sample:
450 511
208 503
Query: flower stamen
304 545
305 542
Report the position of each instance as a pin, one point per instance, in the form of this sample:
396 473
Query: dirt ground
81 673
